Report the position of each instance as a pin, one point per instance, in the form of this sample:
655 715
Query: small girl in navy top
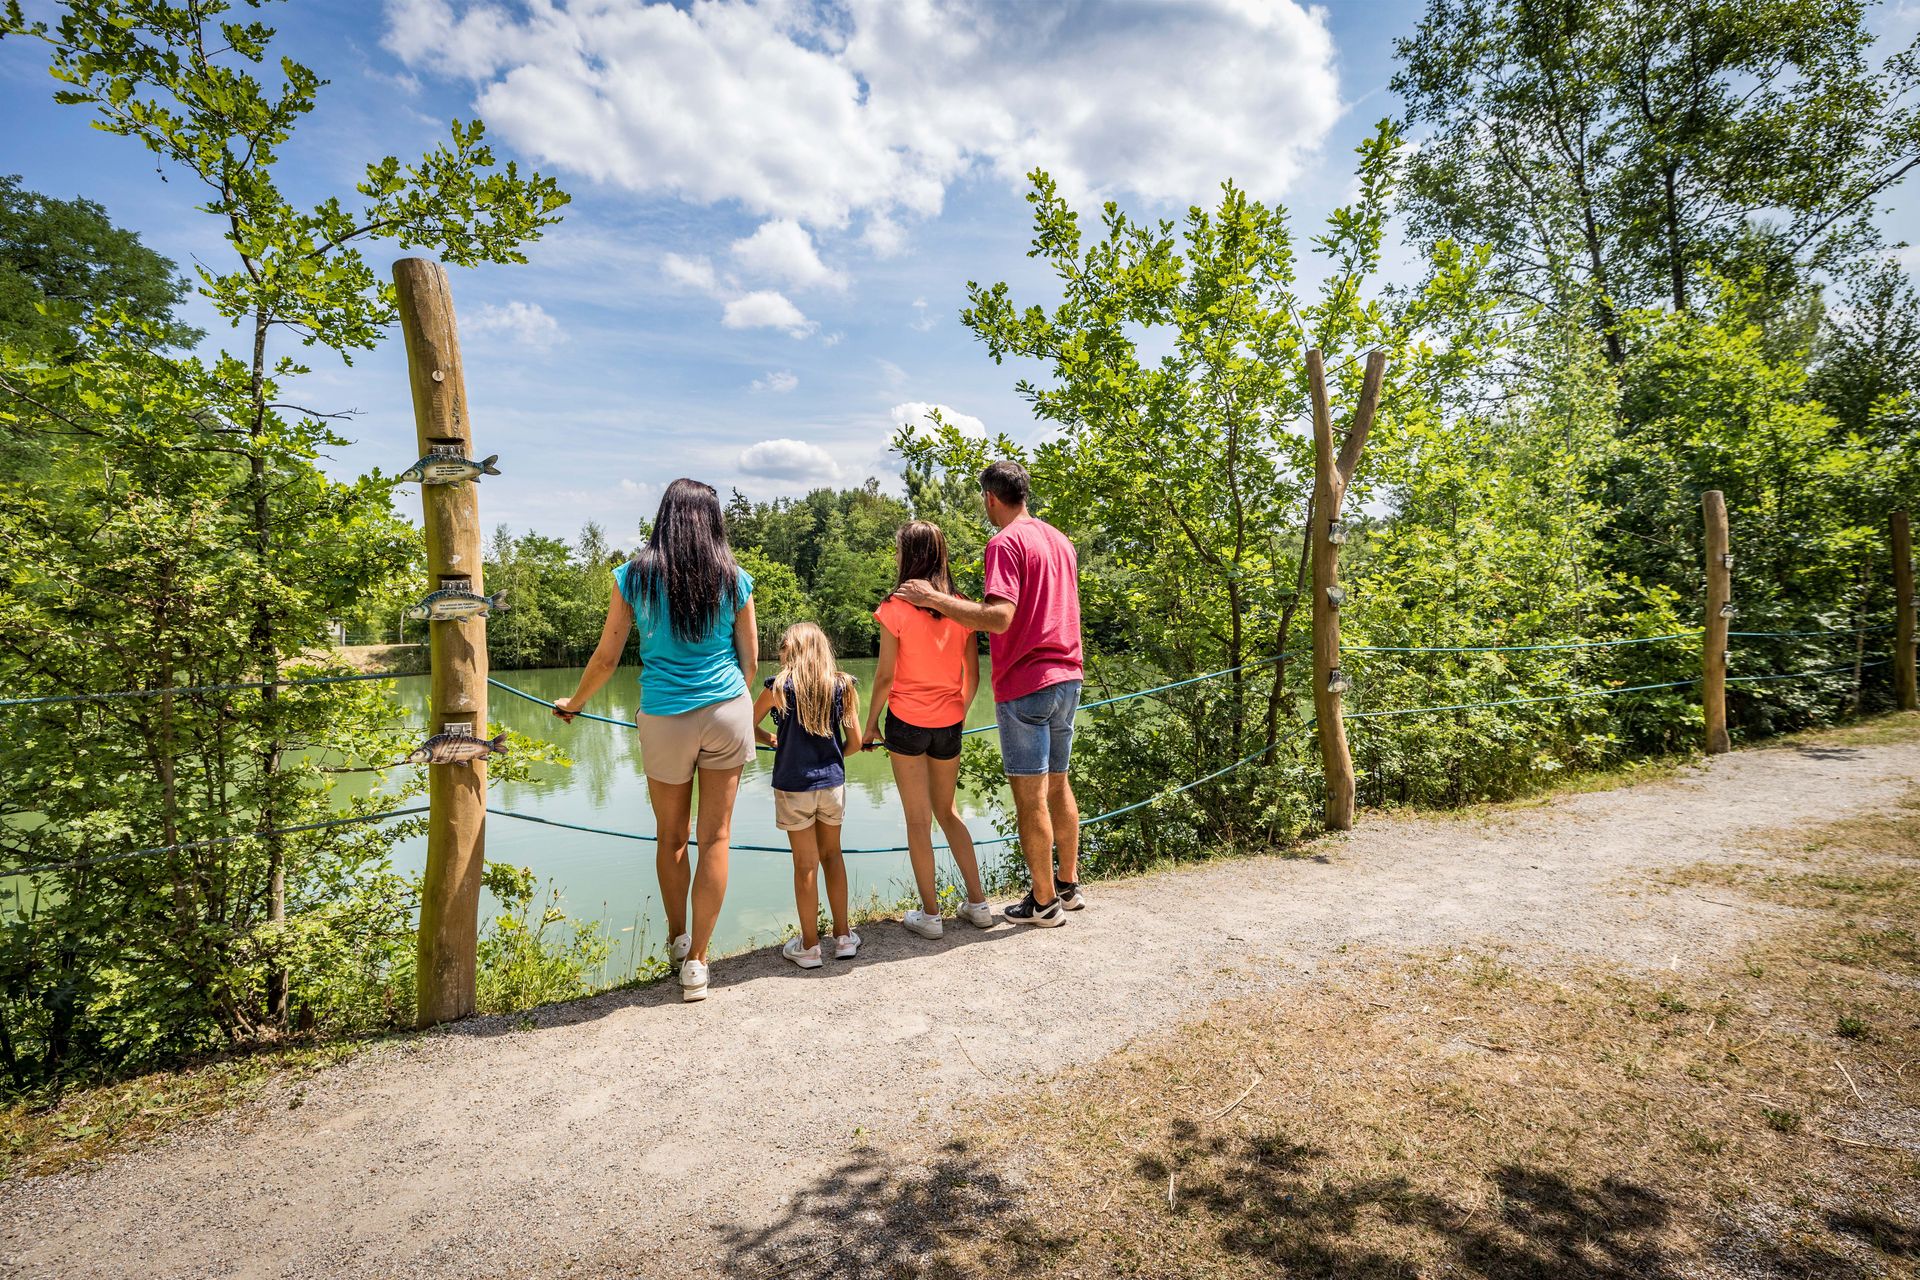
817 711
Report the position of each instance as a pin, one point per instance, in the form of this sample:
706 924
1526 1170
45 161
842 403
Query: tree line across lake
1648 266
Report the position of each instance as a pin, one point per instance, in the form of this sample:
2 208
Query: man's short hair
1006 481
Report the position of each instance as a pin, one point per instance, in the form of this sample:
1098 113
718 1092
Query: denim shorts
1036 731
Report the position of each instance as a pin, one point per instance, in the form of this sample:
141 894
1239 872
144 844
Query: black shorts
905 739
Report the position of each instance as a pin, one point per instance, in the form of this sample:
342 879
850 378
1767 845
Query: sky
777 206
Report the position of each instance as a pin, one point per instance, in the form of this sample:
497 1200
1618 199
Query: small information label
458 728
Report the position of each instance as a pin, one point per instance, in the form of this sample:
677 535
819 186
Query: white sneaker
678 953
693 980
925 923
846 946
805 957
977 914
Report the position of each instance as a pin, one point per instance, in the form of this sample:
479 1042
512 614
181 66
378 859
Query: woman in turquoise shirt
698 649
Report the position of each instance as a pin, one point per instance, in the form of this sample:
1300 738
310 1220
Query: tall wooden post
456 820
1904 620
1713 686
1330 477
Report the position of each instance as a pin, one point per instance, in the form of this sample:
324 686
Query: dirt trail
624 1135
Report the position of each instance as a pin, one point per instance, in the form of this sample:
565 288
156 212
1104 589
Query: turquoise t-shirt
675 676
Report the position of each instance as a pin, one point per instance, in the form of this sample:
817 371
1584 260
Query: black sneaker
1067 893
1027 911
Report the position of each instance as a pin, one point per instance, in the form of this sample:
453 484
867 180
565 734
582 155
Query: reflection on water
610 879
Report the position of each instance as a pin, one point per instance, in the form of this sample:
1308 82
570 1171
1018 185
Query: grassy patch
1464 1114
83 1124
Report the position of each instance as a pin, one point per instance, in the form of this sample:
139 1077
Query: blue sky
776 207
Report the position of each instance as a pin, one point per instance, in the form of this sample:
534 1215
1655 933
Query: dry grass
1458 1114
85 1124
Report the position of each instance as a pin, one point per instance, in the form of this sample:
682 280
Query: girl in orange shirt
929 669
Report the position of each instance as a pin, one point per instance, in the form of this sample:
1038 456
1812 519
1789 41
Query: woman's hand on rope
564 708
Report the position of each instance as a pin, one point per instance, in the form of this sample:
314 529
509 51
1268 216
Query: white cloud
833 339
692 273
885 237
923 319
765 309
779 381
526 323
917 415
782 250
788 460
875 107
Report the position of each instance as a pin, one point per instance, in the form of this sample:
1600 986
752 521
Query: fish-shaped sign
456 748
450 604
447 468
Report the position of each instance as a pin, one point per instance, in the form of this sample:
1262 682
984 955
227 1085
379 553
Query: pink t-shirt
1031 564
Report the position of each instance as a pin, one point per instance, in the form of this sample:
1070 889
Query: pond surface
605 878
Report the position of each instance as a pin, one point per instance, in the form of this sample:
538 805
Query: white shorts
798 810
716 736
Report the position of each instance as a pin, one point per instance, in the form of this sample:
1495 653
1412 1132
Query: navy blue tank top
805 761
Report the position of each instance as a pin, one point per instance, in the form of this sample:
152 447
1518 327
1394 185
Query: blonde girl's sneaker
925 923
693 980
678 952
805 957
1027 911
846 946
977 914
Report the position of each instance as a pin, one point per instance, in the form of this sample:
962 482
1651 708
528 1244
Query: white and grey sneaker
846 946
1068 891
977 914
805 957
693 980
926 924
678 952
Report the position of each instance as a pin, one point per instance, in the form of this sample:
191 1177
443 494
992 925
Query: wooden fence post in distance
1713 686
457 814
1330 477
1904 620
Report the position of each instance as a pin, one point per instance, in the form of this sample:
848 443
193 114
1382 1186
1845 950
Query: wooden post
456 820
1903 639
1713 687
1330 477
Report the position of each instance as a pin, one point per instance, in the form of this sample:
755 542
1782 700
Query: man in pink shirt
1032 618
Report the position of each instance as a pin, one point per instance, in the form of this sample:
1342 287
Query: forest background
1651 268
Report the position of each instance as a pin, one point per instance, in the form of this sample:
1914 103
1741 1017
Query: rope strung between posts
198 688
899 848
354 820
1879 661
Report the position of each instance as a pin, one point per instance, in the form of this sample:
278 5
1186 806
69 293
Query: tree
1602 148
195 483
63 263
1174 382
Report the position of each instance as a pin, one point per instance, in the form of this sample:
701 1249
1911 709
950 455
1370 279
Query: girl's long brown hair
807 665
922 552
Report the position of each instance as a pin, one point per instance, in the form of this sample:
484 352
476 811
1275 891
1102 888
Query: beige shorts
717 736
798 810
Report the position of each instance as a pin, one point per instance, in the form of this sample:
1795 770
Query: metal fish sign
445 468
456 748
450 604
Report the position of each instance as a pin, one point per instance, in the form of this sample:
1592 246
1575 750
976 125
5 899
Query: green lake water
604 878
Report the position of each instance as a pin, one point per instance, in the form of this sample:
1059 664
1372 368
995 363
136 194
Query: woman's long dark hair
687 562
923 554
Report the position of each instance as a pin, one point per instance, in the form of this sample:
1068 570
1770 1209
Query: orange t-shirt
930 665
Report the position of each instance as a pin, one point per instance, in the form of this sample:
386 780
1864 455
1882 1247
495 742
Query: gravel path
625 1135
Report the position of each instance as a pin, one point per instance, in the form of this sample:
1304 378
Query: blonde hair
807 665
